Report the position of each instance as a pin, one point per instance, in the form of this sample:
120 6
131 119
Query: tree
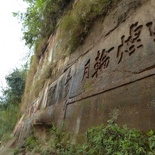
15 89
40 19
10 100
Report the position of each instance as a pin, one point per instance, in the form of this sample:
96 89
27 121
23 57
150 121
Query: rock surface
113 69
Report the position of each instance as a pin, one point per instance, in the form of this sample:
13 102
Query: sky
12 48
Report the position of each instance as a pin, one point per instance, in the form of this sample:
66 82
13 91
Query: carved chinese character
68 78
131 44
86 70
49 99
102 61
151 30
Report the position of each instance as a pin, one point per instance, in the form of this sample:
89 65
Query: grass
75 24
29 82
34 87
40 47
8 119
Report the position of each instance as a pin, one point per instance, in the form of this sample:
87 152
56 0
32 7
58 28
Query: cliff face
114 68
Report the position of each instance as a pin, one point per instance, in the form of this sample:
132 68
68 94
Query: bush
114 140
32 142
109 139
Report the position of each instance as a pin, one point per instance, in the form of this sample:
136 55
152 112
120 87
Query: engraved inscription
67 83
51 96
132 43
102 61
151 30
86 70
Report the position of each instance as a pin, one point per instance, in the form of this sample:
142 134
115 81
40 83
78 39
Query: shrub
109 139
32 142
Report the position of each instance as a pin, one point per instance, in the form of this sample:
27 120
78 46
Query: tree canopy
10 101
40 18
12 94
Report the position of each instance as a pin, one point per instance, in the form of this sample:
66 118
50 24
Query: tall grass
75 24
8 119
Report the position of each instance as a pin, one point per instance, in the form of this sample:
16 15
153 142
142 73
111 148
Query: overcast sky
12 48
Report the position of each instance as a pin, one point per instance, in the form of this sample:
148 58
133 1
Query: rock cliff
114 68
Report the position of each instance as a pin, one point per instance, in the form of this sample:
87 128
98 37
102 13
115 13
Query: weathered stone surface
135 101
113 69
118 72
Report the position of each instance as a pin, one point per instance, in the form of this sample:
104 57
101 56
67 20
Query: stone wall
113 69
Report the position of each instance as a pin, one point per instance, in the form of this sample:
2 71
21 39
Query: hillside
96 65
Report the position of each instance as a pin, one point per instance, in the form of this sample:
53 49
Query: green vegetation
33 88
32 142
40 19
16 84
8 118
44 16
109 139
10 100
75 24
115 140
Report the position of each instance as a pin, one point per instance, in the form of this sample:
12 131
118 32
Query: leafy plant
12 94
40 18
32 142
108 139
151 140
